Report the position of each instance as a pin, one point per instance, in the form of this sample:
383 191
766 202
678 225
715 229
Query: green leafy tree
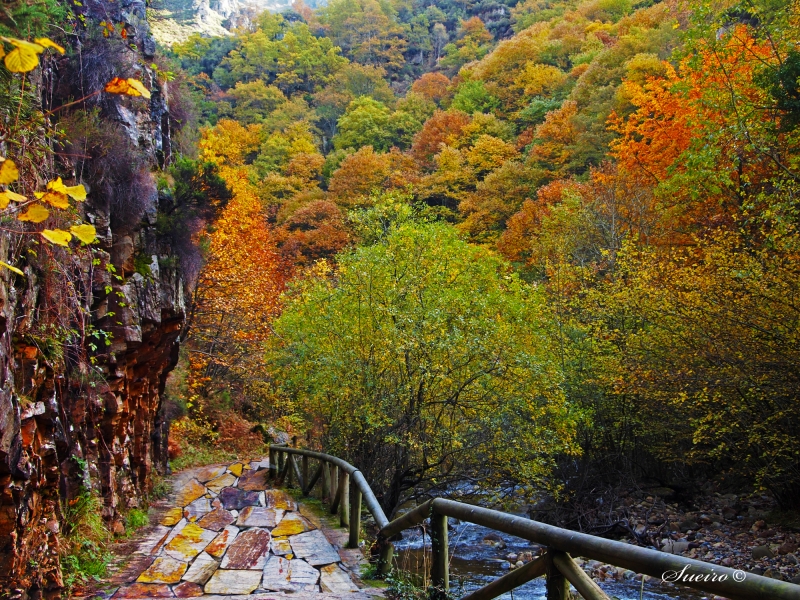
472 96
366 123
428 363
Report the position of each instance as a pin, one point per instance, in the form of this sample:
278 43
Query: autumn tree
433 86
315 231
443 128
366 31
238 289
472 97
288 55
366 171
472 43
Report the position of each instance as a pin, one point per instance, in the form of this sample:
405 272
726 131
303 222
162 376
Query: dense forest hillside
613 182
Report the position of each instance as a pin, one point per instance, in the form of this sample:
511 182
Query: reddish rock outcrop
76 413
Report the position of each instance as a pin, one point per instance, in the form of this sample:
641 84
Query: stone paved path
230 534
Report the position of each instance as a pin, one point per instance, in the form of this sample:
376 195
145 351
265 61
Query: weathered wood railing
346 487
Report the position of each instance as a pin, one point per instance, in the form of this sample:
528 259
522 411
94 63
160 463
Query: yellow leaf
10 268
85 233
119 86
57 236
26 45
57 199
21 60
57 186
129 87
78 192
39 195
139 87
35 214
8 195
46 43
14 196
8 171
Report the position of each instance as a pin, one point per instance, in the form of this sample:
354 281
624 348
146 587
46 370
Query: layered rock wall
78 413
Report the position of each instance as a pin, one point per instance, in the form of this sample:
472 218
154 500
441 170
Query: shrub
85 554
136 519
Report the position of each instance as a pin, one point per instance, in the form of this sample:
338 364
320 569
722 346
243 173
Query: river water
474 563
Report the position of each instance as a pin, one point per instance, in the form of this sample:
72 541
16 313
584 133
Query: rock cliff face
175 20
77 413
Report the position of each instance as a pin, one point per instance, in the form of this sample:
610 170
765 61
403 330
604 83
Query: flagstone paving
232 535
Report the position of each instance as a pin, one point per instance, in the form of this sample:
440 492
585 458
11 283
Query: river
474 563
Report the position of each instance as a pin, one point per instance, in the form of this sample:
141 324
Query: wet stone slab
210 472
201 570
172 516
190 492
232 582
279 499
187 590
164 569
236 499
248 551
220 543
197 509
291 524
336 580
281 547
253 481
190 542
231 535
314 548
217 520
223 481
144 590
282 575
258 516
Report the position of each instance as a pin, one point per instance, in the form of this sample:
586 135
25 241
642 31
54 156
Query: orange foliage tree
433 86
443 128
238 289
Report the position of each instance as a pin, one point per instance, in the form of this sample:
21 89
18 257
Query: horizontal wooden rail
556 563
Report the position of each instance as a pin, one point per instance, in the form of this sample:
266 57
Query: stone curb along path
231 535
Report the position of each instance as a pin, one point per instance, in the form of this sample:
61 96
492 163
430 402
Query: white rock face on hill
173 21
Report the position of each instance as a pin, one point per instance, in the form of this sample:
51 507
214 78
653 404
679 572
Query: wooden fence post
385 558
304 469
344 498
355 514
335 490
287 482
326 482
556 585
440 572
273 466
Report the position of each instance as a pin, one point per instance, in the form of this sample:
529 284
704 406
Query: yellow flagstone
164 569
291 524
172 516
191 492
223 481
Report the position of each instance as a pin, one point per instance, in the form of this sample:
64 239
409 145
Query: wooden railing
347 489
